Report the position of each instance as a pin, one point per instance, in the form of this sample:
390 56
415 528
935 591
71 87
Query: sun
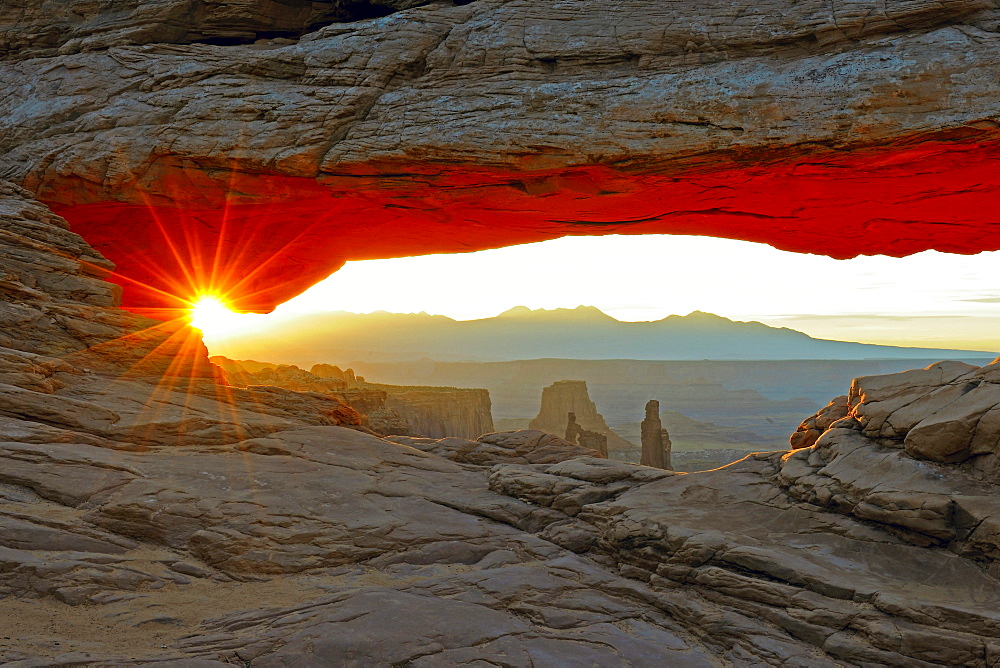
211 315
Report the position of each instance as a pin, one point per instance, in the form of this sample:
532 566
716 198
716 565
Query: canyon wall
437 412
250 148
431 412
248 373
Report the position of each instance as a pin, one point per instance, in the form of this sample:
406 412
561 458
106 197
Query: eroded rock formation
197 160
429 412
895 425
584 437
331 371
387 422
32 30
439 412
948 412
655 439
137 507
814 426
571 396
666 445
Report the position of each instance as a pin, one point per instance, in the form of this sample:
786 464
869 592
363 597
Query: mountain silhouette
584 332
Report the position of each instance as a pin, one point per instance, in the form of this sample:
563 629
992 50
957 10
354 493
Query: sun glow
929 299
212 316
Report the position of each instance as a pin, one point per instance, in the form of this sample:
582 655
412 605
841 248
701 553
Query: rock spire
655 439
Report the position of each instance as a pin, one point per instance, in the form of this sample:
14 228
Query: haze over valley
583 332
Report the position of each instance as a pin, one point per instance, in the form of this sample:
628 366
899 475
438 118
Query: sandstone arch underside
256 169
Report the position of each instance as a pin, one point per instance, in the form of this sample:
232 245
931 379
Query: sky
929 299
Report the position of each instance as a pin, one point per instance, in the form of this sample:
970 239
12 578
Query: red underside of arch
259 239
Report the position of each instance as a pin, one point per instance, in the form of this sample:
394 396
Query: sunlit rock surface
429 412
197 148
164 517
815 425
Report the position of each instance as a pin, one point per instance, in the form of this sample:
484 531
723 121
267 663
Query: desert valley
716 409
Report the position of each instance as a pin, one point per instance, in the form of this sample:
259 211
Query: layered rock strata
571 396
173 520
439 412
525 446
453 126
71 27
429 412
813 426
387 422
655 439
248 373
588 439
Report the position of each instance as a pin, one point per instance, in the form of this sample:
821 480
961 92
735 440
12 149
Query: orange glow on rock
260 239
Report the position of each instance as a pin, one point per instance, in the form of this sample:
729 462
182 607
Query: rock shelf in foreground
193 153
162 517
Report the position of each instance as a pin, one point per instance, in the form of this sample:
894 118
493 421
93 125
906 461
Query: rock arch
256 169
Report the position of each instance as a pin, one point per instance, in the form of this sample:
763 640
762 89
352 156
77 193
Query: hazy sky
929 299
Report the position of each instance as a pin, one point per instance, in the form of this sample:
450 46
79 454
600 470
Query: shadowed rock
655 440
428 412
570 396
587 439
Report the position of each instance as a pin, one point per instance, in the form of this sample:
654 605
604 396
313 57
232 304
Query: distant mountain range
521 333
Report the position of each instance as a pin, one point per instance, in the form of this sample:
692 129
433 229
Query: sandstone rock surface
571 396
527 446
584 437
170 519
655 440
814 426
428 412
771 121
439 412
75 26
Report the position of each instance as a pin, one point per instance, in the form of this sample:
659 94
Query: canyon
704 404
152 513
